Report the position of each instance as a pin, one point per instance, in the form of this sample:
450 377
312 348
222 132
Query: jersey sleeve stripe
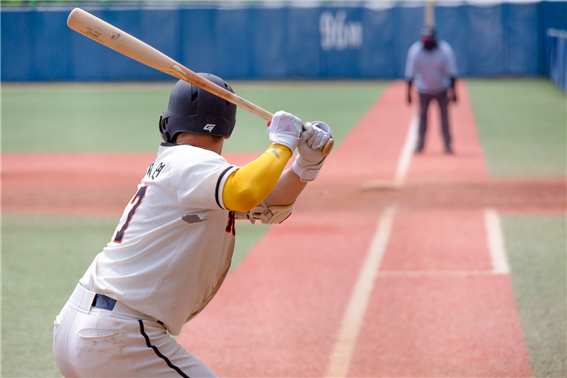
220 184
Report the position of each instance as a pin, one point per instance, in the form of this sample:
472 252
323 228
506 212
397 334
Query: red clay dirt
279 312
77 184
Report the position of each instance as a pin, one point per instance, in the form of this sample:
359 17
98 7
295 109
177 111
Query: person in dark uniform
431 63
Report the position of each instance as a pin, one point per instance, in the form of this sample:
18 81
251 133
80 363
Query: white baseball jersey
432 70
172 248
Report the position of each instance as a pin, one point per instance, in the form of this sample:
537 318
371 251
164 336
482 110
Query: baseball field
391 265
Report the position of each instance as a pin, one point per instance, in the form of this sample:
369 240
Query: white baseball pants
94 342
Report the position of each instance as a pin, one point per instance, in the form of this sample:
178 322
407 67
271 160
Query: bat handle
328 146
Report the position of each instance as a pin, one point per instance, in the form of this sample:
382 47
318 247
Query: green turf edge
522 125
536 248
43 257
247 235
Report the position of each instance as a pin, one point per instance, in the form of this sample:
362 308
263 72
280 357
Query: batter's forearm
288 188
251 184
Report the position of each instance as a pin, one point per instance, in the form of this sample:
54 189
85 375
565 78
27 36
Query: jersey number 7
136 201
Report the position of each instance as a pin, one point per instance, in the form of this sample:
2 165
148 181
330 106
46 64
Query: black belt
104 302
107 303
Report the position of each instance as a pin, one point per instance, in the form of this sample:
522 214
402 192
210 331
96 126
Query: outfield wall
267 41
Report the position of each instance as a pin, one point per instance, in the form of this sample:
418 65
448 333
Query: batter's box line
496 248
341 355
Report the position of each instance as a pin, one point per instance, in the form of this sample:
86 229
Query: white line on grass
354 315
496 242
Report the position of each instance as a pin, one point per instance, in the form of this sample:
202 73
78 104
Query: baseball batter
172 248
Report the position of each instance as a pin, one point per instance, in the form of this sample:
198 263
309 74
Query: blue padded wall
316 41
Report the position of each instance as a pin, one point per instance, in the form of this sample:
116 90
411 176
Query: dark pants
443 101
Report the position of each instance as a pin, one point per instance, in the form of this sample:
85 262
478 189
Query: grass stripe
43 257
124 117
536 248
522 126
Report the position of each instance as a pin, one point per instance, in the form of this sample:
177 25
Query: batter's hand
311 157
285 129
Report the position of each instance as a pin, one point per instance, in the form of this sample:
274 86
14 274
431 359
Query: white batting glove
285 129
311 158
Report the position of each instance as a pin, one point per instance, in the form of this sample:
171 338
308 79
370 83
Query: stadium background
53 102
274 40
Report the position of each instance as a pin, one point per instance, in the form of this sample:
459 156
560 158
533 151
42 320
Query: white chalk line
345 343
403 163
352 320
406 154
497 250
496 242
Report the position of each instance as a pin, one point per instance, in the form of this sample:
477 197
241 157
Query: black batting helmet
194 110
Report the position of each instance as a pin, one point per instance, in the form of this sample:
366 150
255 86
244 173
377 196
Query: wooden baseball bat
122 42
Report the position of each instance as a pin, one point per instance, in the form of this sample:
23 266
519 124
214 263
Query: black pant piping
158 353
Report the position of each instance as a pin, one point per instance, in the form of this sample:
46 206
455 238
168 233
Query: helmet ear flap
163 128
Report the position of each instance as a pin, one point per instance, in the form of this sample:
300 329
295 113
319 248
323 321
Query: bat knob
328 146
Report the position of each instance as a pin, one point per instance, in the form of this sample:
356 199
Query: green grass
123 118
536 247
43 258
247 234
82 118
522 126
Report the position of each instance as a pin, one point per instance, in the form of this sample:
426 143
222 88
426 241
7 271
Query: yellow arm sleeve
251 184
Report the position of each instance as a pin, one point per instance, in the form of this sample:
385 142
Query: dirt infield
101 184
75 184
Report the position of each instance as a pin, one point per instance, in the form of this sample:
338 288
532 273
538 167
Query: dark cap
427 32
